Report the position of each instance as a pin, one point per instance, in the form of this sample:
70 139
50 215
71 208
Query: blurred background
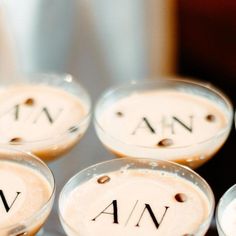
102 43
207 42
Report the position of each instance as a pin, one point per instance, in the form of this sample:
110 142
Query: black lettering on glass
48 115
17 109
189 128
114 212
144 124
149 209
14 111
4 201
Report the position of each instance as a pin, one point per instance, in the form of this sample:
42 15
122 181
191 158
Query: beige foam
34 192
170 114
42 118
132 190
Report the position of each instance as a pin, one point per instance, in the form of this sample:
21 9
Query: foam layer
164 124
23 192
135 202
38 117
228 220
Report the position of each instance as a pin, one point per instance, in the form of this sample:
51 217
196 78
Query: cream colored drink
171 124
43 119
135 203
24 191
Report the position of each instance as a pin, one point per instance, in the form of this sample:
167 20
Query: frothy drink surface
37 117
228 220
149 117
23 191
135 202
154 123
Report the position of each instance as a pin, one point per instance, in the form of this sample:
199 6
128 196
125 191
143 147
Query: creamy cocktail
27 191
46 115
178 120
136 197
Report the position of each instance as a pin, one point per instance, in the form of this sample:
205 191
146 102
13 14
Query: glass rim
26 222
218 222
165 80
69 79
211 198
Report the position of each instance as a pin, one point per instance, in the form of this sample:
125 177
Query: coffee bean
22 234
103 179
20 228
119 113
210 118
29 102
73 129
180 197
165 142
16 140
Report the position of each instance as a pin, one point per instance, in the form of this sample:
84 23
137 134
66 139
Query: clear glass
51 148
193 155
31 225
225 200
136 164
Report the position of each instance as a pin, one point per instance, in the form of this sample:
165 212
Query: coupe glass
34 221
26 114
122 165
193 153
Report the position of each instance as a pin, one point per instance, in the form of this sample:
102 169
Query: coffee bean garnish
73 129
103 179
16 140
210 118
18 229
29 101
119 113
180 197
22 234
165 142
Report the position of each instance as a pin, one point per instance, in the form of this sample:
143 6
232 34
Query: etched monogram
113 210
5 203
166 124
32 115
